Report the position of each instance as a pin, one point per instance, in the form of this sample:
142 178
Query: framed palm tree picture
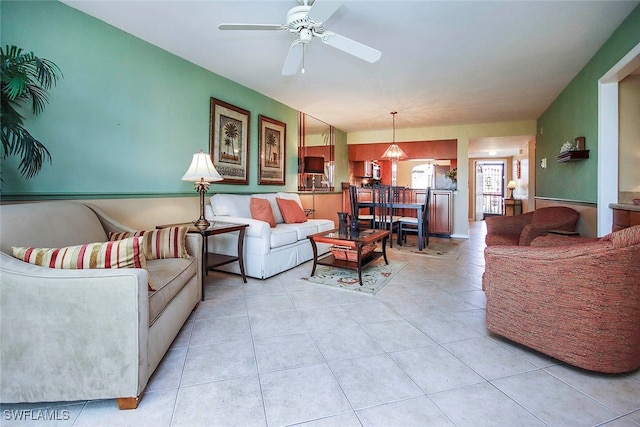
272 137
229 140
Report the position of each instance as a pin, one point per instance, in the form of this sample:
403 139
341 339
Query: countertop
625 206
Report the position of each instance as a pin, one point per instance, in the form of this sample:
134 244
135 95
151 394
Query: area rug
374 277
439 247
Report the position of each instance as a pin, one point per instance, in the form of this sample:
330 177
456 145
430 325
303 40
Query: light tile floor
280 352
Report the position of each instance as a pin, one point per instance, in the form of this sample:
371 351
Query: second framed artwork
230 141
272 140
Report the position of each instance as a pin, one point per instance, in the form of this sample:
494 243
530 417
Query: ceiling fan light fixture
305 35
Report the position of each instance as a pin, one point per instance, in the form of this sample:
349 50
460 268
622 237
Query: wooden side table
213 260
512 207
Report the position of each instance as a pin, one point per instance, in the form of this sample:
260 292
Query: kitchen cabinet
362 169
441 212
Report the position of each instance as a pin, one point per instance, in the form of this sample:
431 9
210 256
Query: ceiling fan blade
268 27
294 59
352 47
321 11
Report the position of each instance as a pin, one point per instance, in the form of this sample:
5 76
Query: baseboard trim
460 236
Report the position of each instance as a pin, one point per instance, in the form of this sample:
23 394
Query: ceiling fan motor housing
298 17
298 22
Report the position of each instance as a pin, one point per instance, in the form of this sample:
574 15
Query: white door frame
608 141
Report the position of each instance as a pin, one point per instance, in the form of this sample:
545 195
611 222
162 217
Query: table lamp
202 173
512 186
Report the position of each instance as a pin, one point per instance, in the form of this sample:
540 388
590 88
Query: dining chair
418 224
355 196
383 209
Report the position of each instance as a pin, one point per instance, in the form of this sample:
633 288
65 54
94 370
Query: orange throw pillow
291 211
261 209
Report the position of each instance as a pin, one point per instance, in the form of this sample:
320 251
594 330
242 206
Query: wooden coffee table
347 240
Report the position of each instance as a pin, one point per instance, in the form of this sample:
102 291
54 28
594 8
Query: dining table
394 207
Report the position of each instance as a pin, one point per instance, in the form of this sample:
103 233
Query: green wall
575 113
127 116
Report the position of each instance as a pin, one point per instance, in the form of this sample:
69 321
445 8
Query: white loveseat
267 251
84 334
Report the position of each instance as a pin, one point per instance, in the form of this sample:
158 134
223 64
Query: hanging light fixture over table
394 153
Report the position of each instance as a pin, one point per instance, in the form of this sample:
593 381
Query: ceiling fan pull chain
303 49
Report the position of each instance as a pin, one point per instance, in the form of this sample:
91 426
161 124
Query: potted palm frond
25 80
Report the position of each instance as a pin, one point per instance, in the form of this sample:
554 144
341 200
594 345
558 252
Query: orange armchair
577 303
520 230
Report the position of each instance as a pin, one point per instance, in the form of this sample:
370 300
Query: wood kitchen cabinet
441 212
362 169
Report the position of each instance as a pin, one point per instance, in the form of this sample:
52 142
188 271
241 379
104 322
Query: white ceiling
443 62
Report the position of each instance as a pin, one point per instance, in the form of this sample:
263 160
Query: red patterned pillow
126 253
159 244
291 211
261 210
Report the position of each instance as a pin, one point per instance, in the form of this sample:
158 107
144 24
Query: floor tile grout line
516 402
580 391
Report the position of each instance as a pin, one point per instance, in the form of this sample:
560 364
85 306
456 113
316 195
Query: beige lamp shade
202 169
394 152
512 185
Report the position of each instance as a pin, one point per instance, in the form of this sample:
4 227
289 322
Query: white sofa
267 251
85 334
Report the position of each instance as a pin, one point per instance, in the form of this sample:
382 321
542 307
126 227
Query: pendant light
394 153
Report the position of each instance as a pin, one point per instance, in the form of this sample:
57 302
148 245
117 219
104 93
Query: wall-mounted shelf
572 156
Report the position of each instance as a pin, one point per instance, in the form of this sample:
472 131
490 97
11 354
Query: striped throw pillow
125 253
158 244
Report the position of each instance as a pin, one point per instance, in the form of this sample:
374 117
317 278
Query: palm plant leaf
25 79
16 140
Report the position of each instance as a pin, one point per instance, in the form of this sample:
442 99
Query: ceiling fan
307 21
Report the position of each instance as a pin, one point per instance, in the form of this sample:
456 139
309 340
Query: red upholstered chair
520 230
578 303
